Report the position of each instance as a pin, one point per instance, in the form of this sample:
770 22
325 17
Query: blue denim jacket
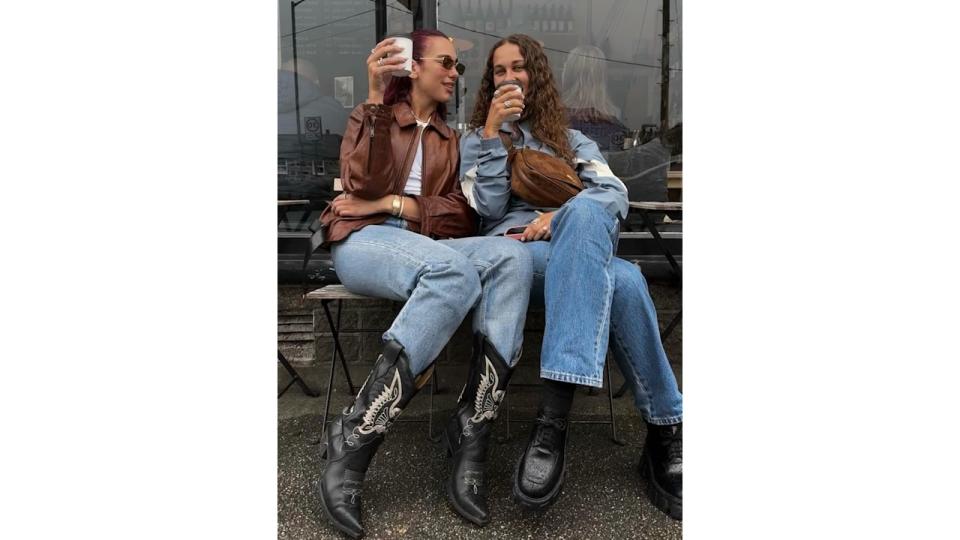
485 179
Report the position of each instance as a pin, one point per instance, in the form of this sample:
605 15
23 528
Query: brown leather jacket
375 160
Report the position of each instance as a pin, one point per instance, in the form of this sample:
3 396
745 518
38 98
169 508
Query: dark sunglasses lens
446 62
461 68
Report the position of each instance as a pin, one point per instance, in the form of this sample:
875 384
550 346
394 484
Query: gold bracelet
395 206
401 207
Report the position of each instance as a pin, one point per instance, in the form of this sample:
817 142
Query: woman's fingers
375 62
380 52
387 51
389 64
506 88
530 232
513 94
510 100
378 48
516 97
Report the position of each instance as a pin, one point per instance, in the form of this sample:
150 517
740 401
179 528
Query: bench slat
660 206
336 292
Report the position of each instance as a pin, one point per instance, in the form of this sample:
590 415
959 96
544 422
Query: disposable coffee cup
406 53
500 89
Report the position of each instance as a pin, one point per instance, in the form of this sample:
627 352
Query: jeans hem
571 378
665 420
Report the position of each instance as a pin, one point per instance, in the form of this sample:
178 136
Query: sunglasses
447 63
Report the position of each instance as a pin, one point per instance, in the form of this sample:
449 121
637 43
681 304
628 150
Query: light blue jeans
593 300
440 281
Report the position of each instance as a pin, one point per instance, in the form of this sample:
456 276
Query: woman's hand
379 68
347 205
539 229
500 111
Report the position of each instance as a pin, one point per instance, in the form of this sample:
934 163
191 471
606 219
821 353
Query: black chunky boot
467 434
352 437
662 466
538 479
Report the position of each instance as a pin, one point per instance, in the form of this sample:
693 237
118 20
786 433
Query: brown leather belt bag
539 178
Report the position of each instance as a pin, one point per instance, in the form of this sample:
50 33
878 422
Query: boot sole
665 502
545 501
450 498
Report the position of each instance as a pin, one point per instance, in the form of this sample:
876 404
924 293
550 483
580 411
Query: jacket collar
404 115
522 127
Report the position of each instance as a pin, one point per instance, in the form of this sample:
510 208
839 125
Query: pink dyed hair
398 89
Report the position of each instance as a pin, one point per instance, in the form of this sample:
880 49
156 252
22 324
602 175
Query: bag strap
507 141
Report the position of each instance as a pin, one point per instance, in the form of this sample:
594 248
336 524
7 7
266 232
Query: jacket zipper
372 121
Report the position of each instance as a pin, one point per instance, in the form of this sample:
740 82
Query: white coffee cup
507 86
406 53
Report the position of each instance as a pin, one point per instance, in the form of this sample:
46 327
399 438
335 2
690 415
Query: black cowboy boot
352 438
539 475
468 431
662 466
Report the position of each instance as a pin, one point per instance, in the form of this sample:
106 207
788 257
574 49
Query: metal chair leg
433 390
505 406
622 390
649 224
335 332
333 360
673 324
326 405
613 420
343 360
296 378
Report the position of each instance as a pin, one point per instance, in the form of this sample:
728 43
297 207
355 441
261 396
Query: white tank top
414 184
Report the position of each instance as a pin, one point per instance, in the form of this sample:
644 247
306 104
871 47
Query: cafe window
620 38
605 55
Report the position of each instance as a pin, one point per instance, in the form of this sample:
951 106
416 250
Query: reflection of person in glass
592 298
583 84
398 233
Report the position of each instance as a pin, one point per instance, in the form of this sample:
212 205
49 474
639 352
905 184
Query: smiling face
508 64
429 77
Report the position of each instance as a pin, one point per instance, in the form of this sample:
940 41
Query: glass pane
332 37
627 34
605 56
399 18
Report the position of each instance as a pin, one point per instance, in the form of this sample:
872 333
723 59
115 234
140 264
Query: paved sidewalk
404 489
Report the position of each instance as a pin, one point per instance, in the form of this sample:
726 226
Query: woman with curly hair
592 298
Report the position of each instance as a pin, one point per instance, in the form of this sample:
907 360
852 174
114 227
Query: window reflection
604 53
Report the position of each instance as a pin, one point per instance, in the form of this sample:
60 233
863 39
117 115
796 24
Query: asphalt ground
404 491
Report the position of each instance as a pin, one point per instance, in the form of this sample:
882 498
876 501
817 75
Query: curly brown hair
544 109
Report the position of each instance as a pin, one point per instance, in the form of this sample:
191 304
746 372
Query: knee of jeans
584 210
630 281
461 270
515 260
